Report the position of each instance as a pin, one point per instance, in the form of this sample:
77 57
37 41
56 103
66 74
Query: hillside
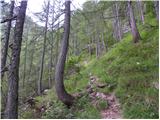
97 60
128 70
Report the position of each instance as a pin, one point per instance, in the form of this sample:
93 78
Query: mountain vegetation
95 61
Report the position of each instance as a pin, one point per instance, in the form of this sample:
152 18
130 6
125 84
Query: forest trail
112 110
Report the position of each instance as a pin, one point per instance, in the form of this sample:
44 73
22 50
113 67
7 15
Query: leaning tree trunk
59 84
135 33
43 54
13 79
6 41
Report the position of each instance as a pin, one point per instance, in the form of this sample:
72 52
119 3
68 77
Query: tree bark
25 59
43 53
31 60
98 46
11 111
119 29
156 6
59 84
141 10
135 33
103 43
6 40
51 61
116 22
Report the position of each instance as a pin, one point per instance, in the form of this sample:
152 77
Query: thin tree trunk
74 44
59 74
57 46
135 33
50 81
43 53
31 63
141 10
115 35
25 59
90 47
119 31
98 46
51 64
6 40
103 42
11 111
56 49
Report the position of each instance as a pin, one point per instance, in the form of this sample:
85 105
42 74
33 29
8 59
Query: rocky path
113 109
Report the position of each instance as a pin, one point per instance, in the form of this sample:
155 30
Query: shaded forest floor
121 83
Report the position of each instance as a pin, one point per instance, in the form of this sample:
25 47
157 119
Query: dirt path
113 109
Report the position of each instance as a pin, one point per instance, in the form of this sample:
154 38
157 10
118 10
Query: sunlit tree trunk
11 111
59 74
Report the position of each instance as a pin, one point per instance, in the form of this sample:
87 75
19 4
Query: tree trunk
90 47
51 63
6 40
31 60
116 22
156 6
59 84
135 33
98 46
119 29
43 53
50 80
25 59
13 79
141 10
103 43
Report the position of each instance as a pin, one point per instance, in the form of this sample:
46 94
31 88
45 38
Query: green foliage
27 114
58 111
128 69
102 104
82 108
72 65
85 109
132 68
